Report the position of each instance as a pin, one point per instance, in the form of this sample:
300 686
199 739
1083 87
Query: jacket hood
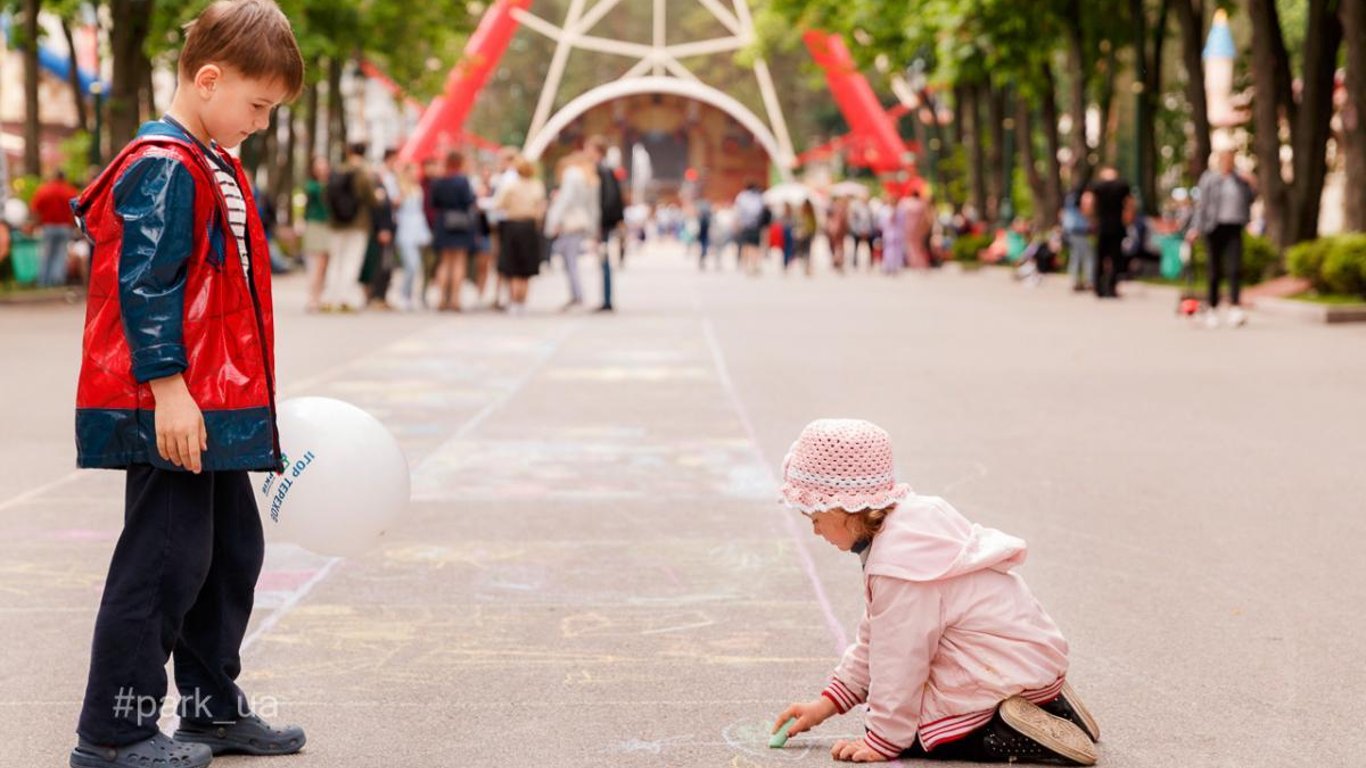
926 539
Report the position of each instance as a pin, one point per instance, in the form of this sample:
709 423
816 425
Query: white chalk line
803 554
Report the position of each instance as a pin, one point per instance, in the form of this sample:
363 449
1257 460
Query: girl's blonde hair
869 521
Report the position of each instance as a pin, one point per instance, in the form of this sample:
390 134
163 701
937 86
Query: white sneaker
1211 319
1236 317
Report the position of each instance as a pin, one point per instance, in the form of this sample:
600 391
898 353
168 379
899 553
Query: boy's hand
181 436
809 715
856 751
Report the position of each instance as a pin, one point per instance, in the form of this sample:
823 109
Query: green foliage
75 153
1261 259
24 187
1333 265
1306 260
1344 268
967 249
416 44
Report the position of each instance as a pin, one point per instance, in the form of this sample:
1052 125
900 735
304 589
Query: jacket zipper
255 300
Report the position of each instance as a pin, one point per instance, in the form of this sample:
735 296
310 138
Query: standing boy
177 388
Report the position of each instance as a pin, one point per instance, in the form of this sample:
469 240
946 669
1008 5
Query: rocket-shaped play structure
1218 58
873 141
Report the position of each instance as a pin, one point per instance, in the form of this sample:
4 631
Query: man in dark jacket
1110 202
613 211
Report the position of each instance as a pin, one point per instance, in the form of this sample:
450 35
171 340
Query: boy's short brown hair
253 37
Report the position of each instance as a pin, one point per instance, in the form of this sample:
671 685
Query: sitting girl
955 658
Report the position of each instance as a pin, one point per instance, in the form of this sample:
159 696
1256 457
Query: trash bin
27 257
1015 246
1170 247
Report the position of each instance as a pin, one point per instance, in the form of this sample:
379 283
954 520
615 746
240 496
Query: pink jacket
948 633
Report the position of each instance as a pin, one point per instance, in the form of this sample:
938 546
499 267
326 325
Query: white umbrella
849 189
780 194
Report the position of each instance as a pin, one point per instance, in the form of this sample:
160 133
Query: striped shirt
232 194
237 212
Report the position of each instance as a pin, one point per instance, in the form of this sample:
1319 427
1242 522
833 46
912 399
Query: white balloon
345 481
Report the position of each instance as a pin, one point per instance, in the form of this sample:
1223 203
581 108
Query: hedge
1334 265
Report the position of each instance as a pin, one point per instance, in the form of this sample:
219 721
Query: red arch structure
873 141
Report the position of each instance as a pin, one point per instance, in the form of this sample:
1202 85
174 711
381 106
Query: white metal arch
690 89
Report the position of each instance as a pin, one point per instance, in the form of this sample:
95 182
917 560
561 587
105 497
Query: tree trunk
1313 119
131 19
1052 142
1024 140
1078 66
311 126
1152 91
1105 103
149 93
33 159
1354 113
972 133
1271 79
74 80
999 178
336 115
285 170
1190 17
960 113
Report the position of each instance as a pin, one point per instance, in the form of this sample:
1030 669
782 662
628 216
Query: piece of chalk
780 738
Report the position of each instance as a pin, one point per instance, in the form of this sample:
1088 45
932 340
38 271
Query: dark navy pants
181 582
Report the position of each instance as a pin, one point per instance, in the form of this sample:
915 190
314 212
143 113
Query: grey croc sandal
160 751
249 736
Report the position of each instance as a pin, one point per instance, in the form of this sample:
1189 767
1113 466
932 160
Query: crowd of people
1099 238
455 233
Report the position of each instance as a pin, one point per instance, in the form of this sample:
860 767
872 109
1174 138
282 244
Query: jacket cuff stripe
845 691
839 705
883 746
954 729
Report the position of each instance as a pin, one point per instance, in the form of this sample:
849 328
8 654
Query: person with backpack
350 196
612 210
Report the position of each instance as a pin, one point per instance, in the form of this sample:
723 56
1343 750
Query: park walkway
592 572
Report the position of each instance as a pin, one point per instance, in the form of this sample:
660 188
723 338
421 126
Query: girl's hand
856 751
809 715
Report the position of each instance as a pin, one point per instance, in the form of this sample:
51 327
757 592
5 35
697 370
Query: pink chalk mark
85 534
283 581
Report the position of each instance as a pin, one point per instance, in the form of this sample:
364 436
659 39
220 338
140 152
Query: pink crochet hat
841 463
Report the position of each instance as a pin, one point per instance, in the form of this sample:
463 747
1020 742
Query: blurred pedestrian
520 203
380 257
317 237
837 231
453 236
611 214
1081 252
804 231
1222 211
919 219
573 217
412 233
51 207
704 217
1110 203
350 196
750 218
863 226
894 217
